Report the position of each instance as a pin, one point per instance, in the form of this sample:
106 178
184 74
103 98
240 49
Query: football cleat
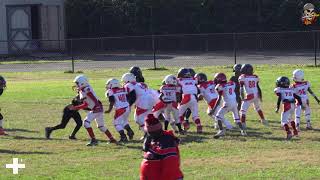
219 134
265 122
243 133
181 132
186 125
48 132
130 134
123 139
2 132
289 136
72 137
93 142
199 129
113 141
309 127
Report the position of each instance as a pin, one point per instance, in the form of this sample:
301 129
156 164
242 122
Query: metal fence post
235 48
72 58
154 53
315 37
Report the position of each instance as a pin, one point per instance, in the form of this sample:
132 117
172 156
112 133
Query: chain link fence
155 51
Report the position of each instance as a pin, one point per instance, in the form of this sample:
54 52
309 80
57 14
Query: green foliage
92 18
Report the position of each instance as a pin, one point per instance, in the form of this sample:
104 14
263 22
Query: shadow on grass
34 138
21 130
4 151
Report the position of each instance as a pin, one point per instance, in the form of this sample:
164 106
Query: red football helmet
220 78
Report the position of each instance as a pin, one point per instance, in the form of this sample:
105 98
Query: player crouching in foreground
91 102
250 84
117 97
67 115
169 98
226 90
189 100
161 153
301 87
210 95
3 85
287 96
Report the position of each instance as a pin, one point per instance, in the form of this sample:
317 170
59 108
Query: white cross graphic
15 166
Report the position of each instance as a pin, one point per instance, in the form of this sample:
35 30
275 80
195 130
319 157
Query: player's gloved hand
277 110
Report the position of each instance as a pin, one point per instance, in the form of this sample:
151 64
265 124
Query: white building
24 22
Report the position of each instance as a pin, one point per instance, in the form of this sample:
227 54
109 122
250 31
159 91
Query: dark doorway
35 22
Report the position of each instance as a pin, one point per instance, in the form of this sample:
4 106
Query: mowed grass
33 101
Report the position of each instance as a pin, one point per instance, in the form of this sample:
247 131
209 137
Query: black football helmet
201 77
237 68
3 84
283 82
184 73
136 71
246 69
192 72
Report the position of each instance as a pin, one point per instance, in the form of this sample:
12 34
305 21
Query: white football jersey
286 94
208 91
89 96
227 92
169 93
250 85
141 89
188 85
120 97
301 89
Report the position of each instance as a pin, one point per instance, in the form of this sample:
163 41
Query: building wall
48 33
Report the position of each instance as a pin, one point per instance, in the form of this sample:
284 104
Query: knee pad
86 124
102 128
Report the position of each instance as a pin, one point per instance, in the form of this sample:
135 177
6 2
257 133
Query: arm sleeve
132 97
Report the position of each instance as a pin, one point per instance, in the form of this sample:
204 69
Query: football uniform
168 103
121 106
210 95
144 101
250 84
287 99
227 91
92 103
301 90
189 98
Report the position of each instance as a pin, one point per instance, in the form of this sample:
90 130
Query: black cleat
72 137
93 142
130 134
48 132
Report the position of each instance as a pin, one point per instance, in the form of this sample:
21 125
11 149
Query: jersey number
252 84
230 91
288 94
122 98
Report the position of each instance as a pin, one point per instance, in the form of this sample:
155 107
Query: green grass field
33 101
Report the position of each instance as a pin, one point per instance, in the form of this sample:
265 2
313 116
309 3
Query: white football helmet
113 83
128 77
298 75
81 81
170 79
